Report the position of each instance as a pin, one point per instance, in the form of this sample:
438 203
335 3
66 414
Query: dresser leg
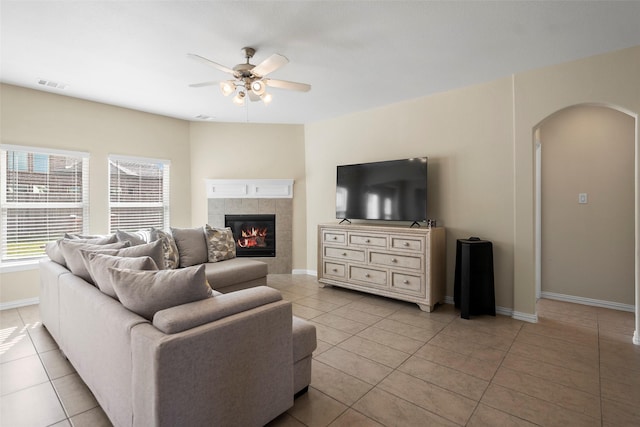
425 307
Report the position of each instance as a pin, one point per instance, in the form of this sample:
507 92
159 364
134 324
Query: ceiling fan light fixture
266 98
239 99
258 87
227 87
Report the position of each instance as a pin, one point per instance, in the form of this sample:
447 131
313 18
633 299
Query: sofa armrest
186 316
237 370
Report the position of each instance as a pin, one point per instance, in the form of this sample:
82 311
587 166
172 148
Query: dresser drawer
334 236
334 269
367 240
393 260
407 283
346 254
368 275
407 243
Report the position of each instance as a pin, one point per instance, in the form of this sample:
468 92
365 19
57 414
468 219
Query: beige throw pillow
147 292
52 249
192 245
72 257
153 250
98 264
139 237
220 243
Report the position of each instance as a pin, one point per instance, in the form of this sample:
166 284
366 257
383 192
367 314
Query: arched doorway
585 206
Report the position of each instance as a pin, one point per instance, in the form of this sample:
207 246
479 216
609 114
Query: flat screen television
394 190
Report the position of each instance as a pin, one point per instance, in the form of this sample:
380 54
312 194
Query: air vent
204 117
53 85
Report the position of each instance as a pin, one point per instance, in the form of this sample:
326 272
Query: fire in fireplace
255 235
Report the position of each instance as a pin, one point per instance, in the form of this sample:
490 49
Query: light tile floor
384 362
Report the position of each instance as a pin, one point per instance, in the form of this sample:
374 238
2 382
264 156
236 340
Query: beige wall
41 119
467 136
479 140
611 79
588 249
480 144
236 151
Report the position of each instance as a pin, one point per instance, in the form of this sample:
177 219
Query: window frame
16 264
166 190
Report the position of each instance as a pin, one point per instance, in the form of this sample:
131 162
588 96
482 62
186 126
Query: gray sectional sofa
223 359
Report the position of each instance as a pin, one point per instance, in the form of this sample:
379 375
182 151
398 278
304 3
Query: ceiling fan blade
204 84
269 65
283 84
210 63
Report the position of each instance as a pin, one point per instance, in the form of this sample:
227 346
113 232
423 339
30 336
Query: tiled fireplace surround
281 207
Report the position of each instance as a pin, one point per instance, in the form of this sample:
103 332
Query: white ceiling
356 55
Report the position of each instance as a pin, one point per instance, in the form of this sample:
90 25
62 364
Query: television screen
394 190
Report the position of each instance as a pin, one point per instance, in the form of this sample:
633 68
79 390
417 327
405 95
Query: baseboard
588 301
636 338
19 303
504 311
525 317
307 272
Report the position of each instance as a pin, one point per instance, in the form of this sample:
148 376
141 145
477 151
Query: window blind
44 194
138 193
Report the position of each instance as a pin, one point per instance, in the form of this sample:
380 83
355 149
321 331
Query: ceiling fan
250 80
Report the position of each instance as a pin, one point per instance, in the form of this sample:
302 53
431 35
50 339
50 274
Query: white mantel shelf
249 188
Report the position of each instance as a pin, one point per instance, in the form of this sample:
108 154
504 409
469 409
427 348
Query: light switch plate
583 199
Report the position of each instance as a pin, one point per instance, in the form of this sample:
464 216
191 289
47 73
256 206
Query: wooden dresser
393 261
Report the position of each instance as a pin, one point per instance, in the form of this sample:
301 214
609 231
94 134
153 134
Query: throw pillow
171 257
220 243
147 292
192 245
98 264
139 237
52 249
73 259
153 250
100 239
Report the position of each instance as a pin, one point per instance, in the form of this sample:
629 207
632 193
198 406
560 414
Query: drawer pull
335 270
367 241
394 260
367 275
405 281
406 243
344 254
335 237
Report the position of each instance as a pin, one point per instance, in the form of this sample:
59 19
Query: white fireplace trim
249 188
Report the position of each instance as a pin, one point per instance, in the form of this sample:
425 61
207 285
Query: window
138 193
44 194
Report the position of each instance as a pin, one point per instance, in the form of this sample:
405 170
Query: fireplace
255 235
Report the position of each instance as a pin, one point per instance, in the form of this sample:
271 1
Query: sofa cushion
53 251
220 243
233 271
304 339
98 264
171 257
73 259
153 250
146 292
180 318
139 237
192 245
